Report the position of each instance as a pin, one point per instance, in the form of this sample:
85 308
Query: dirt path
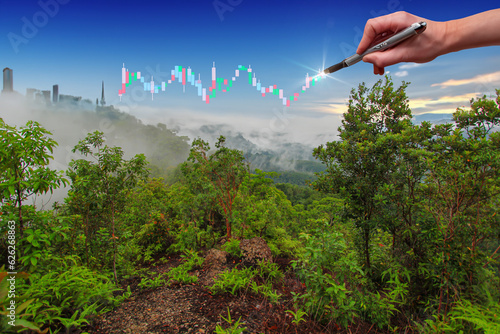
192 308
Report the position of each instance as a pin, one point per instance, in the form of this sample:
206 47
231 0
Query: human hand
419 49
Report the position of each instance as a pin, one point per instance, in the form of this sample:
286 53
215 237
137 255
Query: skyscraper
55 94
8 81
30 93
46 96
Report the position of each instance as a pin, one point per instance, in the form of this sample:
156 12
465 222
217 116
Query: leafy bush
232 247
232 280
269 270
154 237
275 250
186 238
67 294
234 326
152 283
207 238
283 244
266 290
237 279
327 269
13 322
466 317
180 273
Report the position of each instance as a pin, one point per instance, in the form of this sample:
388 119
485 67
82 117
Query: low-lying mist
164 135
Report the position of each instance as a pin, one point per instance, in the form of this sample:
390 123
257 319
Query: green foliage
152 239
12 322
265 290
300 194
186 238
275 250
148 202
263 210
97 192
37 243
234 326
427 195
25 154
180 273
466 317
287 246
486 318
152 283
120 299
207 238
406 228
232 280
327 269
480 315
298 316
238 279
232 247
337 287
352 170
216 178
295 178
67 294
269 271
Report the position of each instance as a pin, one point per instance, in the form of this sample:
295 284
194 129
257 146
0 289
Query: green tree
217 176
261 208
462 188
97 185
25 154
360 163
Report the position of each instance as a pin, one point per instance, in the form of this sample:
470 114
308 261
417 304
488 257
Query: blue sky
77 44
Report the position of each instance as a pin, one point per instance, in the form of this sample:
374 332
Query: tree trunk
367 249
86 231
114 241
228 229
20 207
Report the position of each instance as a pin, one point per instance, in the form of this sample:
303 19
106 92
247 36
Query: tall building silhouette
30 93
55 94
46 96
8 81
103 101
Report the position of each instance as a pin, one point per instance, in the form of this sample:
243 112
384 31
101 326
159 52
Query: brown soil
191 308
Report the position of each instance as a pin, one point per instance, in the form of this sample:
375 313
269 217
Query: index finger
378 28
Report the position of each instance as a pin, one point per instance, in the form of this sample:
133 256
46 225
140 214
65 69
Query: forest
396 232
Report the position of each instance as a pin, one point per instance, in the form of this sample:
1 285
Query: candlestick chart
217 86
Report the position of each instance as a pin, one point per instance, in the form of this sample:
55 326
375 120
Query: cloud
487 78
442 104
332 106
401 74
278 126
409 66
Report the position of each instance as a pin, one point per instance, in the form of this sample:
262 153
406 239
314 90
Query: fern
482 317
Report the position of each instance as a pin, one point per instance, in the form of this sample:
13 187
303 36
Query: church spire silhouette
103 100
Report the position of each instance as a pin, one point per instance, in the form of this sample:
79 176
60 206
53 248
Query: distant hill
433 118
294 161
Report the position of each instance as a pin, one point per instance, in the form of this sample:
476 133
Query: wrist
450 38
